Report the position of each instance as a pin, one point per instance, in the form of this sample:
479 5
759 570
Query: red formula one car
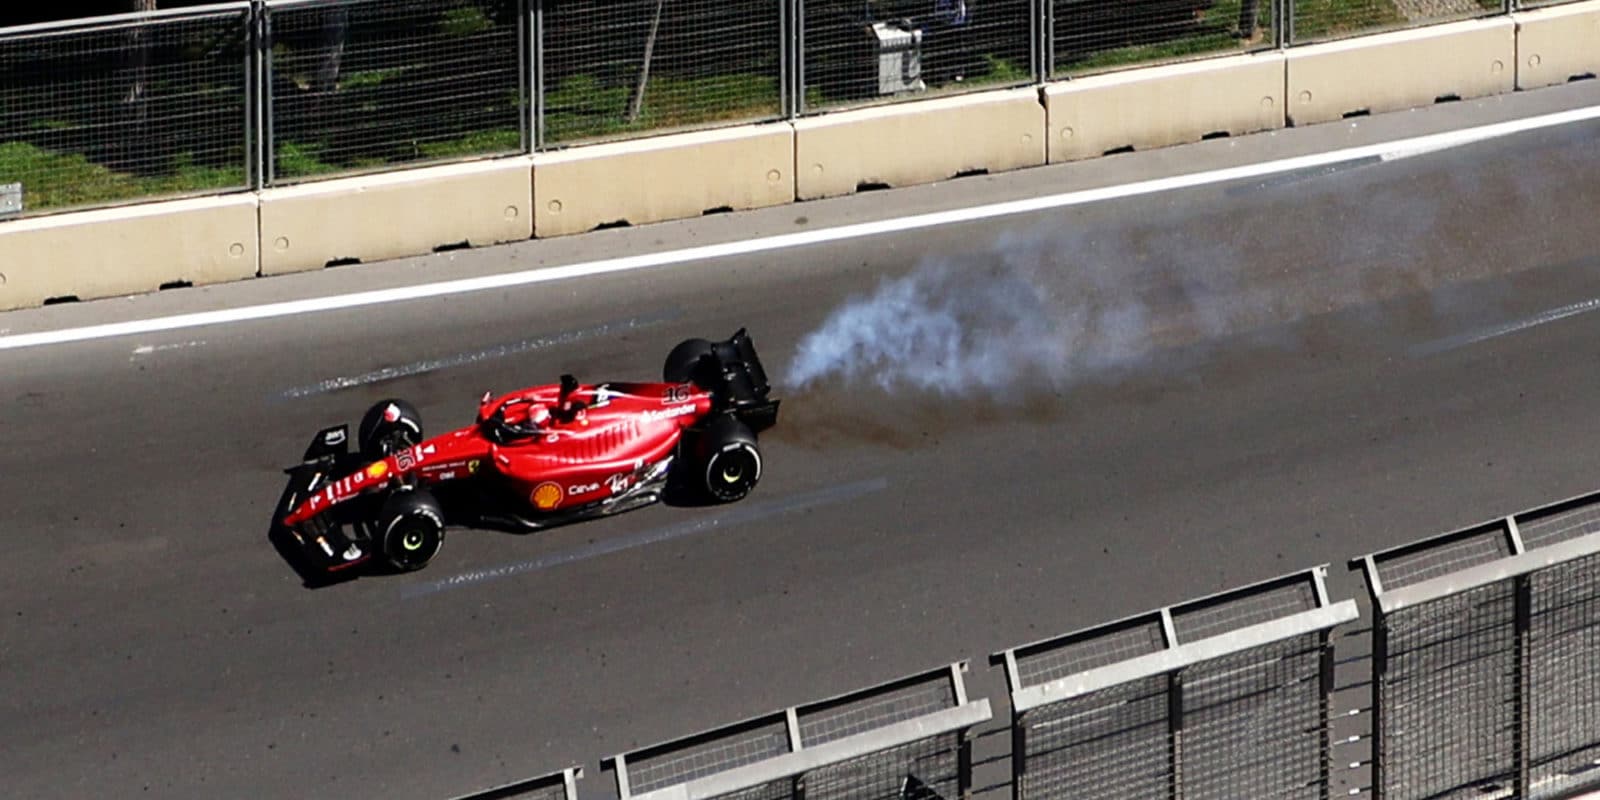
535 458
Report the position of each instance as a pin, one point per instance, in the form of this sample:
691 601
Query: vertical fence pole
798 63
1523 614
252 97
525 73
268 136
1325 712
1019 754
536 60
1286 8
1175 734
785 81
1380 668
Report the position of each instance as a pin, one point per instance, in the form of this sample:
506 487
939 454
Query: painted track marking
1464 339
1387 151
463 359
737 515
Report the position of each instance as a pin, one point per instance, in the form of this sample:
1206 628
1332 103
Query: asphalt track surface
1327 364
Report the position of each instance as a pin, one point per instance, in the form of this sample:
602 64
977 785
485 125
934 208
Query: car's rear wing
742 382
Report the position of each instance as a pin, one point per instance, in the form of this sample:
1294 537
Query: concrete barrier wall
120 251
1404 69
396 214
920 142
1557 44
661 178
1164 105
140 248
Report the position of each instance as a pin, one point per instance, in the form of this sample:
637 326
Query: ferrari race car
533 459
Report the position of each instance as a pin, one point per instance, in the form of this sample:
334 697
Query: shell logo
377 470
546 496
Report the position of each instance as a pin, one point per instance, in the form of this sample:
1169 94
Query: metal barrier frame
1173 659
566 779
802 759
1518 567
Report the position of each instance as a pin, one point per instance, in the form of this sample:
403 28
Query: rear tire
685 362
380 436
730 460
412 527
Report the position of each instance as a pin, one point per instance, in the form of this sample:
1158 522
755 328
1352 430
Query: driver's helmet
538 416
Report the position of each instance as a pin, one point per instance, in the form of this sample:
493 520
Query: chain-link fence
905 740
562 785
619 68
361 85
1222 697
1323 20
1089 36
125 108
856 53
1485 651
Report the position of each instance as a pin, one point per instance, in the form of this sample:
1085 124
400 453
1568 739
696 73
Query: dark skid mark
816 419
476 356
743 513
1299 175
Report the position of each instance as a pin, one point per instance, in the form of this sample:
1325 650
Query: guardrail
1485 647
248 95
1503 620
907 737
1225 696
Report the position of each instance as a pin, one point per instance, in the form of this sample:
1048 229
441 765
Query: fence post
1019 753
1523 615
536 75
1286 28
254 80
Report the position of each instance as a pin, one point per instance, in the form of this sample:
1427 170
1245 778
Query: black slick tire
412 529
730 460
686 361
379 436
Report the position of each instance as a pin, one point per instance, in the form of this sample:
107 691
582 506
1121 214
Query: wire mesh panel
127 108
1222 697
1443 556
1114 744
1103 646
1253 724
358 85
1560 522
1090 36
856 53
904 740
1564 677
922 770
696 758
1321 20
619 68
1447 694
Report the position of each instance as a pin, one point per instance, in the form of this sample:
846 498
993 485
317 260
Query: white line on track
476 356
1388 151
739 515
1464 339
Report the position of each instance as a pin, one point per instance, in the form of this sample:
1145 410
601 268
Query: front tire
389 426
730 461
412 527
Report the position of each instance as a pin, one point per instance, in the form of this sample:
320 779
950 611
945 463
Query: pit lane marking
1387 151
744 513
476 356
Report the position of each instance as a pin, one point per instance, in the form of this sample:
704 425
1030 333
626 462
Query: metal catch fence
616 68
126 107
901 740
1223 697
1485 655
248 94
1089 36
561 785
361 85
855 53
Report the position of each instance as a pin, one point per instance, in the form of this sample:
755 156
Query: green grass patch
1321 19
583 108
64 180
474 144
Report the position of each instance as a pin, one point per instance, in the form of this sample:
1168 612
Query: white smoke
959 327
